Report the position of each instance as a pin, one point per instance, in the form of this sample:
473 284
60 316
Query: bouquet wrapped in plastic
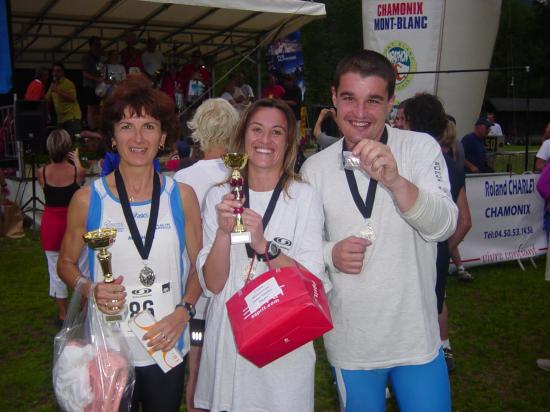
93 369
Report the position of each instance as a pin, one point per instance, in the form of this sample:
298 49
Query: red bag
277 312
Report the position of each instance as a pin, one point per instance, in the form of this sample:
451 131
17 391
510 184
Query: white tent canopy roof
45 31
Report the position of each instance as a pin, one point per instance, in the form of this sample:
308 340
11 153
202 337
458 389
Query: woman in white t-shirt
211 127
227 381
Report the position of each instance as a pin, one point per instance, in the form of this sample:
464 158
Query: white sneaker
463 275
544 364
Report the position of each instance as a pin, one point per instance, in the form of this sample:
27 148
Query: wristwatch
189 307
272 252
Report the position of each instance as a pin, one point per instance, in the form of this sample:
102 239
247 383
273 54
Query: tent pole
527 69
259 73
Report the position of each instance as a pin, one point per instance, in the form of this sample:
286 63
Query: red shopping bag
277 312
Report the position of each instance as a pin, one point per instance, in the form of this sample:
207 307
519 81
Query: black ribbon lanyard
364 207
130 221
268 212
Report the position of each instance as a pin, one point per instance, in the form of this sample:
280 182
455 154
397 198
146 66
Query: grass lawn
499 326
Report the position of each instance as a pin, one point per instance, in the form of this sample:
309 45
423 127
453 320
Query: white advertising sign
408 33
507 219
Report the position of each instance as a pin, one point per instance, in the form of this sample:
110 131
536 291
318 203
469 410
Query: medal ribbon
268 212
365 208
130 221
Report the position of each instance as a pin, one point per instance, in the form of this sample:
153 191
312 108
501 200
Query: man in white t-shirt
495 129
152 58
243 94
211 127
544 152
380 245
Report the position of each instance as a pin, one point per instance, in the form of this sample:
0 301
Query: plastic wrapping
350 161
93 369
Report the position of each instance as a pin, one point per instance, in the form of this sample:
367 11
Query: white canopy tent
44 31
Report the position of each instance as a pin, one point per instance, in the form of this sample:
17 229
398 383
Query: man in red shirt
36 90
130 56
195 71
273 90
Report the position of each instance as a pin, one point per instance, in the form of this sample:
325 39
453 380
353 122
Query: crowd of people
376 215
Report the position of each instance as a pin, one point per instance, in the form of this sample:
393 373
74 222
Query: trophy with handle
101 240
237 161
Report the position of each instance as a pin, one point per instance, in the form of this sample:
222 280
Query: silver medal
367 232
147 276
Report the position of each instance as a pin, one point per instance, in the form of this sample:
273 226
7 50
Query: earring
161 146
113 146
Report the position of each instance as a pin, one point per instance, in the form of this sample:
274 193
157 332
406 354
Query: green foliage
325 42
498 327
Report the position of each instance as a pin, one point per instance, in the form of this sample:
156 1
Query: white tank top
165 257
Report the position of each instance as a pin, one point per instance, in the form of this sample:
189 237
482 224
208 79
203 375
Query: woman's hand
226 212
254 224
75 158
110 297
164 334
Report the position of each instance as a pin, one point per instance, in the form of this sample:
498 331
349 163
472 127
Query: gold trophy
102 239
236 161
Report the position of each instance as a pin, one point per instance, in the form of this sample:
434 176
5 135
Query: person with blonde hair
212 126
60 180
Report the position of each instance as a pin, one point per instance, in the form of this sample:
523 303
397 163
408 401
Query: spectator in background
243 94
425 113
195 78
62 93
152 59
36 90
400 121
211 126
293 97
114 70
60 180
273 90
544 151
227 92
324 140
171 84
92 75
475 156
495 129
130 56
449 147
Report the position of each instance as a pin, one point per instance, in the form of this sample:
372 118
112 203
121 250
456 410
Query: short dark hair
139 97
425 113
367 63
59 64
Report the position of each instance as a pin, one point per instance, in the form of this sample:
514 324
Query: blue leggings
417 387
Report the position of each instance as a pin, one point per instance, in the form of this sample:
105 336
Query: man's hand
348 254
378 161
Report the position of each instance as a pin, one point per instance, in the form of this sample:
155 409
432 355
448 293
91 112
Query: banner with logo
5 52
284 56
507 218
408 33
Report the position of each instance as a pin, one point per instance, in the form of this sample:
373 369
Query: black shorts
155 390
442 267
89 96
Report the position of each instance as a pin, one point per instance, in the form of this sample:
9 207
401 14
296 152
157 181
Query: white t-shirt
152 61
246 91
117 71
386 316
227 381
544 150
496 130
202 176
